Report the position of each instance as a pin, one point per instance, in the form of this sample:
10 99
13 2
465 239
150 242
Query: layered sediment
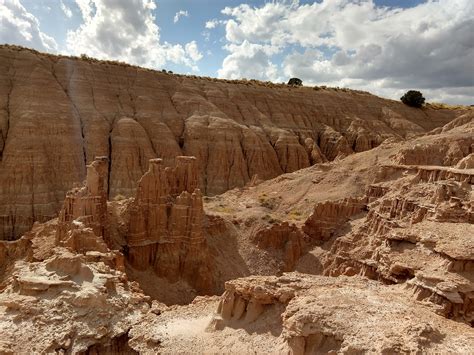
342 213
166 224
58 113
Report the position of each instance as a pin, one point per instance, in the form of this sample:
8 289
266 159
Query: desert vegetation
413 98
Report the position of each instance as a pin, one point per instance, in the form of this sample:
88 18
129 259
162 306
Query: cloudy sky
383 46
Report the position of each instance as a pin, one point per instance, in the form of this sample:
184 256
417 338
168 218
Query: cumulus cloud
193 51
18 26
126 30
249 60
179 14
385 50
211 24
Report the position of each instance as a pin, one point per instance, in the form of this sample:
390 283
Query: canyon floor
360 240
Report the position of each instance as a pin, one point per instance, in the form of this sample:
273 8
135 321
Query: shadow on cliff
269 321
222 239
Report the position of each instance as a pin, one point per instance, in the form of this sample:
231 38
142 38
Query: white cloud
67 11
193 51
126 30
87 9
338 42
179 14
18 26
211 24
248 60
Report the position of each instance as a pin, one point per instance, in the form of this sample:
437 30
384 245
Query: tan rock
329 215
283 239
314 153
321 314
87 205
57 114
131 150
467 162
165 227
54 299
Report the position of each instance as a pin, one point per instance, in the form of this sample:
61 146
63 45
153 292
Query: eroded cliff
369 215
165 233
382 241
57 114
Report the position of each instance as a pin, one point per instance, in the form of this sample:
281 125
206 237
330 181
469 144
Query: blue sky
383 46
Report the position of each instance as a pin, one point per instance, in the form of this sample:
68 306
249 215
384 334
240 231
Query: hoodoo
166 224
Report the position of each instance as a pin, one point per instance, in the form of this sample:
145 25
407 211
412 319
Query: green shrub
413 98
295 82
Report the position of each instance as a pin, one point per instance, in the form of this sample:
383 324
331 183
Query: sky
383 46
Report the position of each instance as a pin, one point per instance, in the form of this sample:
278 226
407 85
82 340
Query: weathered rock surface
467 162
62 288
421 231
329 215
165 226
284 239
330 314
303 314
57 114
388 231
366 215
87 205
68 301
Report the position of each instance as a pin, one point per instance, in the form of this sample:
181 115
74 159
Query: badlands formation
144 212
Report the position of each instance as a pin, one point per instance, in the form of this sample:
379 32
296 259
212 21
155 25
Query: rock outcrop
61 282
165 227
419 232
329 215
58 113
87 205
59 272
367 215
320 315
69 301
467 162
384 236
285 240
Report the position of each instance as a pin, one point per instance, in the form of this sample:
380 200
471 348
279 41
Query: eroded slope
57 114
389 244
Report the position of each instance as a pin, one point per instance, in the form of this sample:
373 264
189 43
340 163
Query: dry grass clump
441 106
268 202
270 219
295 215
244 81
340 89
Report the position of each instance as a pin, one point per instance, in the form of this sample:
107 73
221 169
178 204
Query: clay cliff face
57 114
165 226
62 280
88 204
370 215
382 237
